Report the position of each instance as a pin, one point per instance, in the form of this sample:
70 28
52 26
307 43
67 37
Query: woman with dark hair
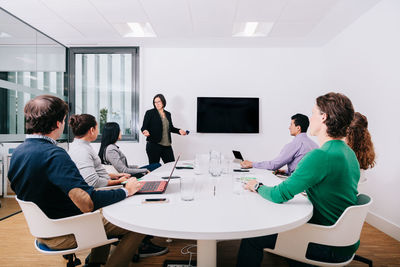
359 139
110 154
85 129
157 127
328 174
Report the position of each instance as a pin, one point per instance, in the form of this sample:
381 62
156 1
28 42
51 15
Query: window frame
134 51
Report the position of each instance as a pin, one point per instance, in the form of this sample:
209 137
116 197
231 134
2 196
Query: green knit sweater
329 175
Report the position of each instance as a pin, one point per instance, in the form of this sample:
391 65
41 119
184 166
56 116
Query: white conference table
209 217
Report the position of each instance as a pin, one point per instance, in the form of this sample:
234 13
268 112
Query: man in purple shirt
291 153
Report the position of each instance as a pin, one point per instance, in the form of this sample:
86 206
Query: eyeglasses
156 102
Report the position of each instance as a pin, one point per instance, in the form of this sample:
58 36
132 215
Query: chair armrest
88 229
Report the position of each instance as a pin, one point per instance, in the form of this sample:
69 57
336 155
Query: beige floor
17 247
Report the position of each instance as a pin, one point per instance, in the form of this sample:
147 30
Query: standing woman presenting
157 127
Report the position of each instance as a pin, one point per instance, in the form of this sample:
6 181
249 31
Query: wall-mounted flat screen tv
227 115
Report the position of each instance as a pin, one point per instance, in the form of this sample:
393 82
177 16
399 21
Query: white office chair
345 232
87 228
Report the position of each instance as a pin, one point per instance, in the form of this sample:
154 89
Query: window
104 84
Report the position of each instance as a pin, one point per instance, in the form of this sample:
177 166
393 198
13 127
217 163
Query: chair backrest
347 229
39 224
345 232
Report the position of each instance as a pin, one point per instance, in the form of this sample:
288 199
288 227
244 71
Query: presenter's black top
152 123
44 173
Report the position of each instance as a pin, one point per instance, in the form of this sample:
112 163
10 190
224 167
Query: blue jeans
251 252
150 167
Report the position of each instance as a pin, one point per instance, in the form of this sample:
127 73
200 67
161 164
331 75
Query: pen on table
214 190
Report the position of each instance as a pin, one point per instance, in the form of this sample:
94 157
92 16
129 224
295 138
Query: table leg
206 253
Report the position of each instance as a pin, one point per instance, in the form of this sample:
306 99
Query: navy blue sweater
44 173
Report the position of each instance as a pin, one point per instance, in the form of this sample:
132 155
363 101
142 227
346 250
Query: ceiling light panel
135 29
252 29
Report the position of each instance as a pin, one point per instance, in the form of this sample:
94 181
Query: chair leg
72 260
362 259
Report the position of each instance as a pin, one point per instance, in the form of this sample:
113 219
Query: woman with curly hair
359 139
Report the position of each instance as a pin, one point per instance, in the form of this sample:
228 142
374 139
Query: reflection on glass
31 64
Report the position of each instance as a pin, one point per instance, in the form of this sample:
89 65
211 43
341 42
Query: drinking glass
200 164
187 187
215 167
238 185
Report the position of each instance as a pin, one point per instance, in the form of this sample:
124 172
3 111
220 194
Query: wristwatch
257 186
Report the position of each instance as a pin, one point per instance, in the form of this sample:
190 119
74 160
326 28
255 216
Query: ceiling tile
306 10
23 10
123 12
290 30
213 18
95 30
169 18
259 10
74 11
61 30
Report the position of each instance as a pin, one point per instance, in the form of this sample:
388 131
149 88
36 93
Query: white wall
286 80
364 61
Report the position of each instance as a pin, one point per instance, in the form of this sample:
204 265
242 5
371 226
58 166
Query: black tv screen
227 115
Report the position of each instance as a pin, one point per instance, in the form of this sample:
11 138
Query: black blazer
152 123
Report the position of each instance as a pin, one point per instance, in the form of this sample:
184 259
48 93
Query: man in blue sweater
43 173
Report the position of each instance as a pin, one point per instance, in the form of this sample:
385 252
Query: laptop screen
176 162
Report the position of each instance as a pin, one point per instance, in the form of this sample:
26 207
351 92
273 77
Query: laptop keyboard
150 186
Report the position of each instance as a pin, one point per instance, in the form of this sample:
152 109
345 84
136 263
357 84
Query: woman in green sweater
329 175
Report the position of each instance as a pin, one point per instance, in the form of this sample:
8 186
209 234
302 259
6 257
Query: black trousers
251 252
156 151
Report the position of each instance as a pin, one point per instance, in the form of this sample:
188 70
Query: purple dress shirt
291 154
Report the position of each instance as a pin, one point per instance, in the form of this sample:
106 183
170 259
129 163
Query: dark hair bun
81 124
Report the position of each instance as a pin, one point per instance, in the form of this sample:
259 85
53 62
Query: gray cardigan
115 157
88 163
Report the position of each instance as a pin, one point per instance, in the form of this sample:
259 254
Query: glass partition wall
31 64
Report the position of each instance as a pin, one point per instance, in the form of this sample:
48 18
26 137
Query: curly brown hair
339 113
359 139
